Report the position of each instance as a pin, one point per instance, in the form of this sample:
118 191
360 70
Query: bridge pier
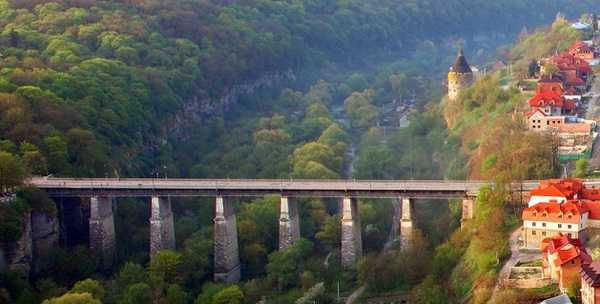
102 229
351 248
162 230
227 258
289 223
406 221
468 209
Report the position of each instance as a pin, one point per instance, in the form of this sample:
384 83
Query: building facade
590 283
549 219
562 259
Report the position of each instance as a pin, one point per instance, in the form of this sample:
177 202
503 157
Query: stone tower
459 76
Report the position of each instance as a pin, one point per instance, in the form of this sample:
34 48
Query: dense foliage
89 86
104 88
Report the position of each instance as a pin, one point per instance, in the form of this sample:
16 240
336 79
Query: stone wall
45 232
527 277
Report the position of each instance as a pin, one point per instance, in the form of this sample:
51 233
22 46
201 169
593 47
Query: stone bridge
102 191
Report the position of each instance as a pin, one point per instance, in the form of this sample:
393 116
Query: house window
533 224
559 225
533 232
543 233
569 234
543 224
569 226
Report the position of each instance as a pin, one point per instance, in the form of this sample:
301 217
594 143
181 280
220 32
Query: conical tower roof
461 65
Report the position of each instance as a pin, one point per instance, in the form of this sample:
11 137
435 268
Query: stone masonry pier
102 193
162 230
102 228
289 223
227 259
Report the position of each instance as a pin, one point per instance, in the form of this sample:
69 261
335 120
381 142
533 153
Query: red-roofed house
581 50
562 258
538 121
572 69
552 218
552 85
590 283
559 190
551 103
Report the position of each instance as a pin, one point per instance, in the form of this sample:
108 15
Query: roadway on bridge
254 187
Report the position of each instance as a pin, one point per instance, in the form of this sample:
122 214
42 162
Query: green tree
581 168
360 110
285 267
230 295
330 233
398 82
12 171
209 290
165 268
256 234
137 293
73 298
131 273
89 286
315 160
197 258
56 149
176 295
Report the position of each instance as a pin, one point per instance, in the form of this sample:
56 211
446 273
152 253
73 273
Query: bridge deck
134 187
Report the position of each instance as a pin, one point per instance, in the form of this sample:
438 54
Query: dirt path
515 256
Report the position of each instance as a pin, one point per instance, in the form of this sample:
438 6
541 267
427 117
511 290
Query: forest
106 89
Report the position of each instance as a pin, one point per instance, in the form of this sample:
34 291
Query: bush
90 286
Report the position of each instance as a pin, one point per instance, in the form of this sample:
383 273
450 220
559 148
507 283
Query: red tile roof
593 208
569 212
590 194
566 61
546 98
552 190
564 249
575 81
567 187
555 86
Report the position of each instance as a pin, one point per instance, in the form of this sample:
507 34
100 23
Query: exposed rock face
198 107
18 255
45 232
